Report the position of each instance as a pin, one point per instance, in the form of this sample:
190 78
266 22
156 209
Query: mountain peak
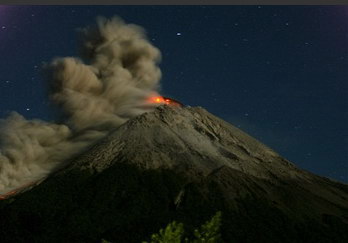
188 138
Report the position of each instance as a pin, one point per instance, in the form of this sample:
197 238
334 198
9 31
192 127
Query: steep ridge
179 164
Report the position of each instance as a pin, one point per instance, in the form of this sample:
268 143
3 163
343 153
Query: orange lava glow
164 100
17 190
157 99
8 194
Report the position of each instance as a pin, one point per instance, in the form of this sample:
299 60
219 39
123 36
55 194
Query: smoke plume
108 85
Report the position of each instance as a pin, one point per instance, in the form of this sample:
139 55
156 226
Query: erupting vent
166 101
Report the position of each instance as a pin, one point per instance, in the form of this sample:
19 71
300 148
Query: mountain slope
179 164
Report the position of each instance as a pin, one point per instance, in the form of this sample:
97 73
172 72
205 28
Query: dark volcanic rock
180 164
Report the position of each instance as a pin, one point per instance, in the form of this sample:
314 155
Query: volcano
183 164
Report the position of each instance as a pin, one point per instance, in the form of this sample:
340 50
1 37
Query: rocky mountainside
180 164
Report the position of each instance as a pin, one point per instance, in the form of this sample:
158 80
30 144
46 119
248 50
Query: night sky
277 72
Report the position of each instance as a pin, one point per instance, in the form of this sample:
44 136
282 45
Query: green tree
173 233
210 231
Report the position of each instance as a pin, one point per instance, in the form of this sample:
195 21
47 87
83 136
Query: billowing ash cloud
110 85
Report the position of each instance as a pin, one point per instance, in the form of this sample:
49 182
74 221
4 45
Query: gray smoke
110 85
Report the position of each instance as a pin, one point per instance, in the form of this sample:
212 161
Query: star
178 33
3 27
28 109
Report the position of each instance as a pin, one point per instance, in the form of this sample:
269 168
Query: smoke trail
119 74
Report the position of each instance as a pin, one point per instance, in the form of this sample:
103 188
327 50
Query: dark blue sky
277 72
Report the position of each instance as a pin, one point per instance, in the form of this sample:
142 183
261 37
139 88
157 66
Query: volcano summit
183 164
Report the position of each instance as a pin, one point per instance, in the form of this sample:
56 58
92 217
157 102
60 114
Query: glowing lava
8 194
157 99
165 101
19 189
